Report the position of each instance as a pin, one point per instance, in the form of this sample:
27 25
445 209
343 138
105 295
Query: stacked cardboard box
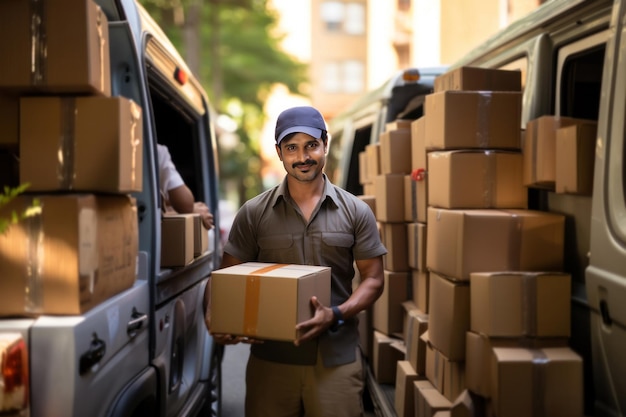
487 254
573 140
243 298
80 151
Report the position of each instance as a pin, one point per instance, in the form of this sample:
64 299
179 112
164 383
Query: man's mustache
307 162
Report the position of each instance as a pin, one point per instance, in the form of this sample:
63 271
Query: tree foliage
233 47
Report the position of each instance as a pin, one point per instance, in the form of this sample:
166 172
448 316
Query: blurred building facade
356 45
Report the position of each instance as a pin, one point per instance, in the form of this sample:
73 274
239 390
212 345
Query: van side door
606 274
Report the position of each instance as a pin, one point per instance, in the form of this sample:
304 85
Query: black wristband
338 318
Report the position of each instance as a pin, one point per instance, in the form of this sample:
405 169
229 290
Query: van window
580 77
362 138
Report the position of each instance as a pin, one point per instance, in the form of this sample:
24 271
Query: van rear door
606 274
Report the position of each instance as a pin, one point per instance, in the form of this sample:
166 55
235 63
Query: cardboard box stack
399 317
80 151
493 264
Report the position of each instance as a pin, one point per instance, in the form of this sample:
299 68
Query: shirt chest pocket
277 248
338 240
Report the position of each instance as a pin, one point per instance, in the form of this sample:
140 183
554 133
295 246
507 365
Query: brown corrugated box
404 398
420 288
384 358
479 353
520 304
78 251
418 144
394 237
464 241
428 400
177 239
415 198
537 382
372 151
389 192
265 300
200 236
539 149
416 248
417 324
449 316
468 404
398 124
54 47
575 147
447 376
475 78
100 139
387 310
395 152
476 179
473 119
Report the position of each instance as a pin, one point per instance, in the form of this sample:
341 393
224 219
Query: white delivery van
146 350
570 54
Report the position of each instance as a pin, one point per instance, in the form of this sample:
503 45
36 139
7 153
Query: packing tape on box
252 298
515 241
483 119
34 265
102 43
67 144
38 38
135 140
489 178
540 363
529 304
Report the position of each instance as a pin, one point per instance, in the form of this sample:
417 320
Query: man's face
303 156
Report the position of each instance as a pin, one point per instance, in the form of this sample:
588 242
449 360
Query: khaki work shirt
342 229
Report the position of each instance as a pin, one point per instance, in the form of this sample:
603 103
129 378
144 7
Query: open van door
606 274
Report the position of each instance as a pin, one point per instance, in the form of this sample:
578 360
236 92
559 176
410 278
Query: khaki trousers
279 390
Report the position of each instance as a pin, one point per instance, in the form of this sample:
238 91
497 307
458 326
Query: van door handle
136 323
94 354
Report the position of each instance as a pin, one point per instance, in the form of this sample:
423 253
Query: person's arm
363 297
181 199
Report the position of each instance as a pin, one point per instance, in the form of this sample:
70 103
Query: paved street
233 379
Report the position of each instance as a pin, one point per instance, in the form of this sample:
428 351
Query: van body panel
102 329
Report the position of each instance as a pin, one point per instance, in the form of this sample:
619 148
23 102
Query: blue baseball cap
302 119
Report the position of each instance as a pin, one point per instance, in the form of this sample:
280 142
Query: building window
333 14
343 17
354 76
331 77
355 19
344 77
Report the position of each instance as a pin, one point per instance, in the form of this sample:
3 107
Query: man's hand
322 319
202 209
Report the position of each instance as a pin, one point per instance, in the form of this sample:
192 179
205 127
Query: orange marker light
180 75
